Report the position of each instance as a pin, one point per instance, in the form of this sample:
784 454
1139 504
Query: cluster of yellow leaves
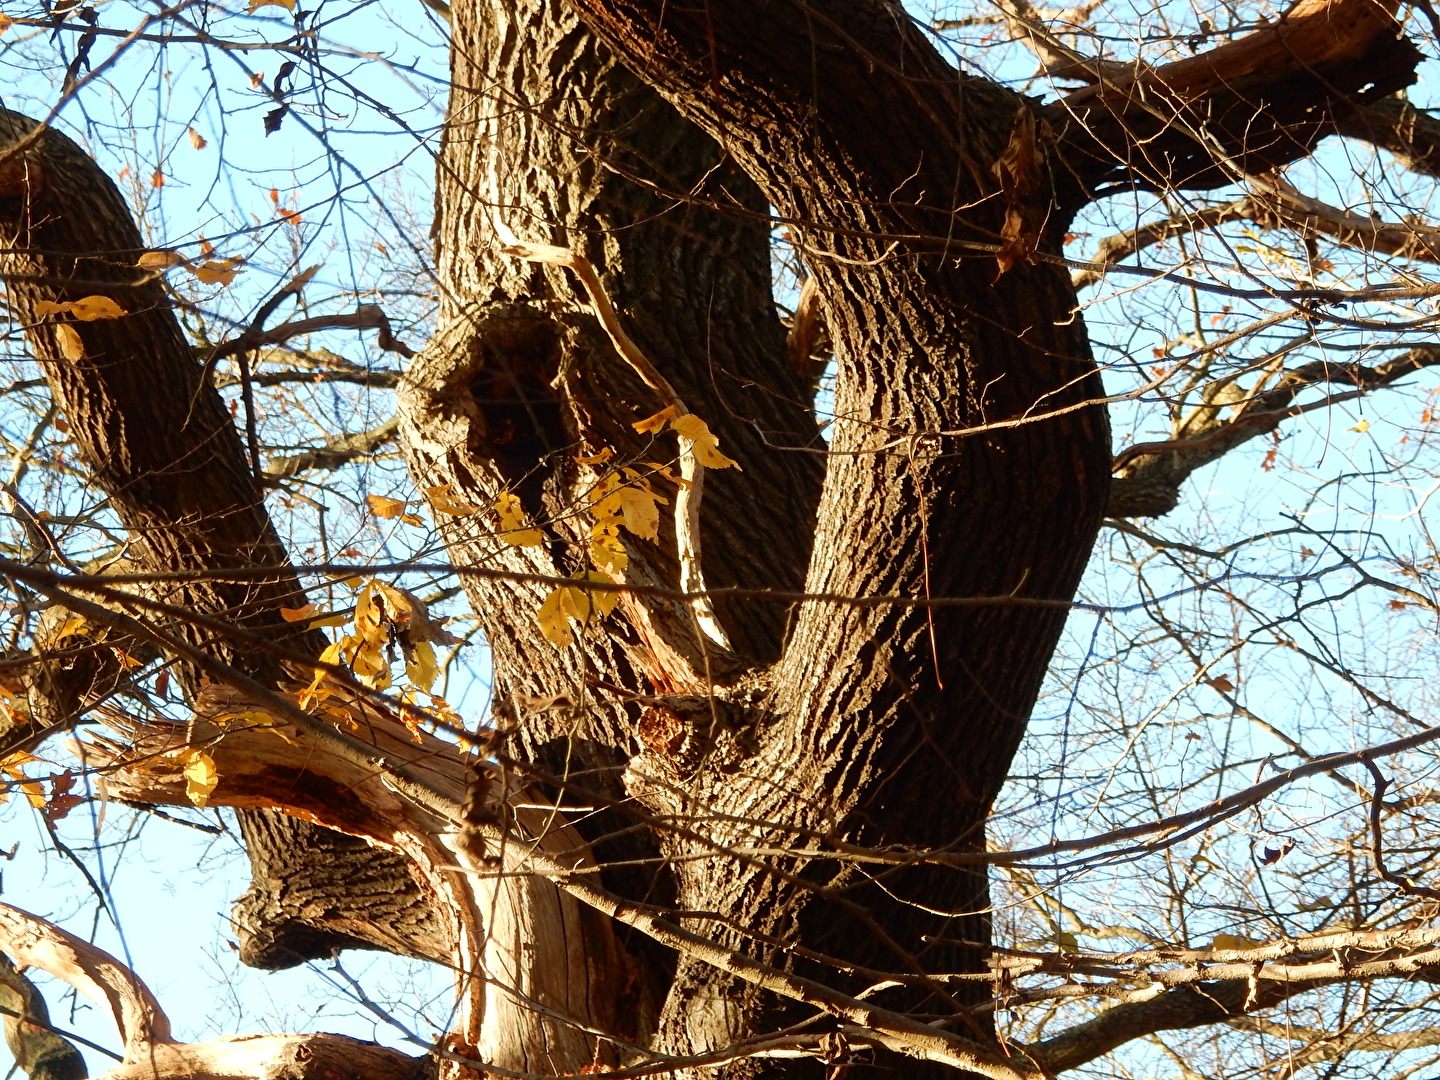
623 498
575 603
695 436
211 272
385 617
86 309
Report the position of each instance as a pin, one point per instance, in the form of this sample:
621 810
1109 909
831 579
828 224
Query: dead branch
34 942
1198 122
263 1057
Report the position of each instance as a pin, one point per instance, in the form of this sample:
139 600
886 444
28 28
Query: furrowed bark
560 145
885 726
39 1052
156 437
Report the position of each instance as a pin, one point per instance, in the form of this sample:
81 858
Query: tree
725 806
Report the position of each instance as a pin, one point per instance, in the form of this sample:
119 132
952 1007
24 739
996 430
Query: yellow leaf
383 507
74 624
597 459
90 308
446 502
34 793
160 260
634 505
639 511
296 614
554 623
607 550
421 667
413 519
669 474
656 422
314 694
128 662
1362 427
18 760
217 271
329 620
704 445
196 139
515 527
602 602
5 22
49 307
68 338
200 777
288 5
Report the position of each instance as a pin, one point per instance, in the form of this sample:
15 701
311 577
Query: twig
365 317
1377 839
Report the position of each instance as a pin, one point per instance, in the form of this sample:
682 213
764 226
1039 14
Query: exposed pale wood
273 1057
37 943
692 473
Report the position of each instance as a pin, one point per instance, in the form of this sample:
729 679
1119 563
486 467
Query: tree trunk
873 725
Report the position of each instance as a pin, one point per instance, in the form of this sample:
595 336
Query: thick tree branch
1149 475
1246 106
153 431
1393 124
33 942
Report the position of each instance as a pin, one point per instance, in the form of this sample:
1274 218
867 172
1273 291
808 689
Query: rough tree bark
160 443
969 458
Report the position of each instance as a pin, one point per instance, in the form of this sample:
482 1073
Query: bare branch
337 452
1150 474
1277 205
365 317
